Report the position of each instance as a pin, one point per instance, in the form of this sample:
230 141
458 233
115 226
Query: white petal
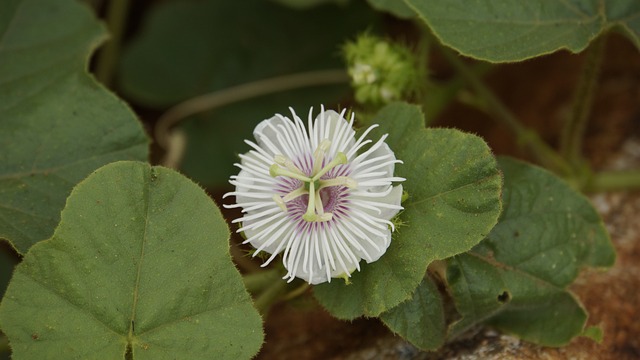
266 231
393 198
333 126
268 134
384 154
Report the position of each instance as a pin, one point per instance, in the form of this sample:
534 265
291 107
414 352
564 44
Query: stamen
325 217
288 164
340 159
280 202
276 170
318 155
338 181
310 215
294 194
319 205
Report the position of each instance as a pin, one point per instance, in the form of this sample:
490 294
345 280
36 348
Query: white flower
310 194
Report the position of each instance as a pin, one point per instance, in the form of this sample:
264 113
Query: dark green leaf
190 48
516 278
420 320
56 123
186 49
396 7
454 200
139 263
514 30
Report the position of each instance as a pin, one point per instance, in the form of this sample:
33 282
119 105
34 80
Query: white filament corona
317 195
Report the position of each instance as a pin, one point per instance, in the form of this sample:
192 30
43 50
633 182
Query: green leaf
594 333
420 320
514 30
516 278
396 7
454 200
624 14
186 49
138 264
56 123
305 4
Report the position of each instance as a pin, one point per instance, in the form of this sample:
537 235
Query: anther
276 170
340 159
338 181
318 155
280 202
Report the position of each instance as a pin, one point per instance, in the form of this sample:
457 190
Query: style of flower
308 193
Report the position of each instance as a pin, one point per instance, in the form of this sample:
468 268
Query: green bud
380 71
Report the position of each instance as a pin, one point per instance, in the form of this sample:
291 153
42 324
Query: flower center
311 184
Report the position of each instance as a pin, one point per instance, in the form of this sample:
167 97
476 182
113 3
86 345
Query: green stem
270 296
260 280
116 21
575 126
543 152
4 344
438 96
242 92
296 292
614 181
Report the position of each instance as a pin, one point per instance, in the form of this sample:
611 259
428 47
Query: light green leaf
515 30
56 123
454 200
139 264
516 278
396 7
420 320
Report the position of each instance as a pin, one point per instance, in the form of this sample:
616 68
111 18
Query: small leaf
594 333
546 235
454 200
56 123
514 30
139 264
420 320
396 7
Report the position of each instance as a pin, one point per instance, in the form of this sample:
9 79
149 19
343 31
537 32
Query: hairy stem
116 21
242 92
574 128
270 296
4 344
614 181
258 281
528 138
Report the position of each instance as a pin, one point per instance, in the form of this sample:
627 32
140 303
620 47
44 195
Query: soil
539 92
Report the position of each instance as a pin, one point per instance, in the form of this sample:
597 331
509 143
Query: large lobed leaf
516 279
420 320
139 264
454 200
56 123
513 30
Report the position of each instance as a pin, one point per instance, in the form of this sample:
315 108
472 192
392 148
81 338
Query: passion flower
317 195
